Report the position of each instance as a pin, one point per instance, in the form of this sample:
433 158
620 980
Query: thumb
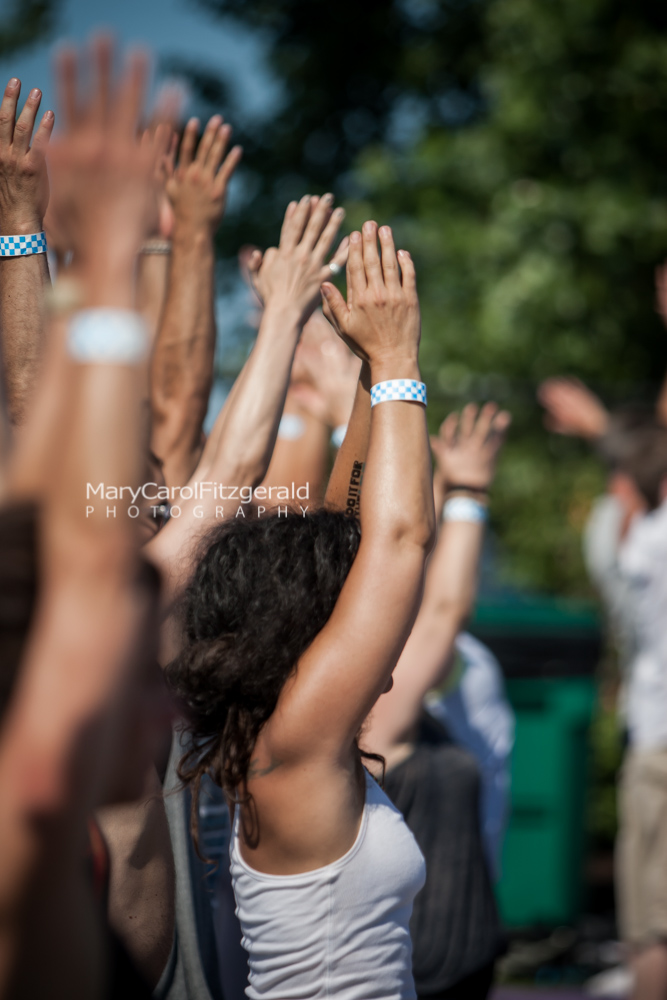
334 307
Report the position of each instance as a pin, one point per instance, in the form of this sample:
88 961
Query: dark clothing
474 987
455 928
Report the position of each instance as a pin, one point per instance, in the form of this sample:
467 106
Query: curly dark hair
262 590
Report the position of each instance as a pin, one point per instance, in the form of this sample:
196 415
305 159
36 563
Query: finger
218 147
501 424
295 223
449 429
328 234
408 273
485 422
339 259
334 307
67 71
42 136
130 100
372 265
356 275
319 217
8 110
170 158
102 54
188 142
162 140
229 165
389 260
208 139
26 121
467 422
253 265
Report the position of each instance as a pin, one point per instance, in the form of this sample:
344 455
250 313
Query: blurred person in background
626 552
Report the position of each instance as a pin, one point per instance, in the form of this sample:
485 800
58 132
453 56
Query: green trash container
548 650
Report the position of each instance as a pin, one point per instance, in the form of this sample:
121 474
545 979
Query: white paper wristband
338 435
107 337
398 389
464 509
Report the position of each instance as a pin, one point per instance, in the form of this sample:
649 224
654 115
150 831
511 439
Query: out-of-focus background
519 149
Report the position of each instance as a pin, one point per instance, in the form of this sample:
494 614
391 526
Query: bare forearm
451 580
344 489
251 421
23 281
152 278
182 363
398 495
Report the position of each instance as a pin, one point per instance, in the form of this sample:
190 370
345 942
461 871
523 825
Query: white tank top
340 931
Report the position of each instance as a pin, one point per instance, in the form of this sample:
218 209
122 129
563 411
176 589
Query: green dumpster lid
535 614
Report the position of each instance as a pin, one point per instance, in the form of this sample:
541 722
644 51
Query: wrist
14 224
394 366
104 284
283 313
189 235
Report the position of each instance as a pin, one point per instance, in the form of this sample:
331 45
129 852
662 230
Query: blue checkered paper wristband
407 389
21 246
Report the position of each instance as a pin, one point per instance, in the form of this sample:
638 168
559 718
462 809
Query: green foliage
535 231
518 147
26 22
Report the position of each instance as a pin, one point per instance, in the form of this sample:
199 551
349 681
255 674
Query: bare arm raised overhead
239 448
182 363
24 196
466 452
350 662
63 732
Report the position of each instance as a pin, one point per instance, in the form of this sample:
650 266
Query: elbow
418 532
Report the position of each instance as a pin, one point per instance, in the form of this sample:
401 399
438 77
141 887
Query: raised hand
102 174
467 447
325 373
572 408
164 141
380 319
24 184
288 277
197 188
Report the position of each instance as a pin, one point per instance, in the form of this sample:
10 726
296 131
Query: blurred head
635 446
262 590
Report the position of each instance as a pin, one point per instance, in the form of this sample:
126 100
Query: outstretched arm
571 408
349 664
24 196
239 448
466 452
62 733
182 363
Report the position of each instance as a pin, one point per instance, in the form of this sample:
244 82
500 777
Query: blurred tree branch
26 22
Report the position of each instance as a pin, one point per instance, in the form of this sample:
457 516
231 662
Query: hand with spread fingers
197 188
102 175
380 319
24 183
466 449
288 278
